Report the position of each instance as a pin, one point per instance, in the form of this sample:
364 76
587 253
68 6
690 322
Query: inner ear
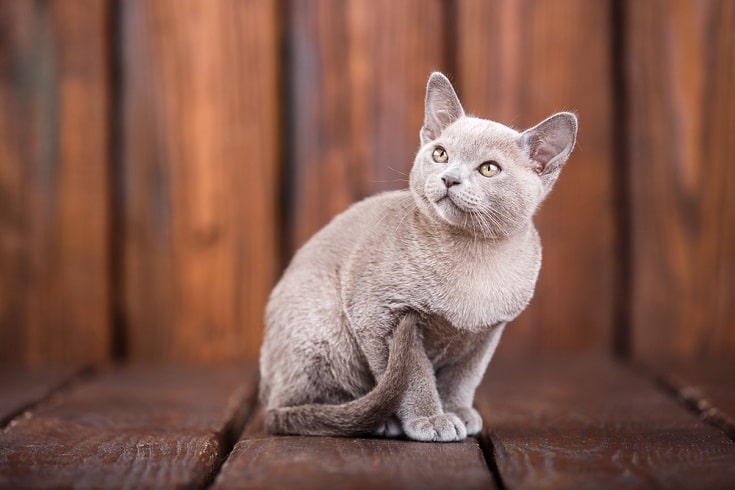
550 142
442 107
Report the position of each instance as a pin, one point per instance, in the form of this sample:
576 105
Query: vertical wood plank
358 71
201 167
680 84
519 62
54 171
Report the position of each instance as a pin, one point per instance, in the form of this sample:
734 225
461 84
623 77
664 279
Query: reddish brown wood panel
519 62
358 72
21 388
262 461
592 424
54 181
138 427
201 165
680 79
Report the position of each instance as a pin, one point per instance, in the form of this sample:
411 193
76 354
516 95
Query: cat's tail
365 414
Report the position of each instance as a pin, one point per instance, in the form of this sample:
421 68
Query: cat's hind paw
472 420
446 427
390 428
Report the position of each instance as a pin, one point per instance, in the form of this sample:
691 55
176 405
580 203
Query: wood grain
54 181
707 387
137 427
357 75
680 79
519 62
591 424
261 461
201 167
21 387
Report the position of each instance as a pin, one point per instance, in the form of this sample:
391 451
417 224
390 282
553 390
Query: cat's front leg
458 381
421 413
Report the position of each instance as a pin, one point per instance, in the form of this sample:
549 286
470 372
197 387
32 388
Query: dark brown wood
358 72
137 427
54 181
262 461
706 387
21 388
593 424
519 62
201 167
680 78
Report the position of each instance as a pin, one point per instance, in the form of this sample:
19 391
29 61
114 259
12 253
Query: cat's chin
449 211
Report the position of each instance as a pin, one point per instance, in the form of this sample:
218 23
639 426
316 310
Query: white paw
446 427
470 417
390 428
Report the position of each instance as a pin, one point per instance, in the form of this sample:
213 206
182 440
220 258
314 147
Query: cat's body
411 290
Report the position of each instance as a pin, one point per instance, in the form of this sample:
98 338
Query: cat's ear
441 108
549 144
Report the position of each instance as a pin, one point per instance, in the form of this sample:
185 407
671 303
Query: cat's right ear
441 108
549 144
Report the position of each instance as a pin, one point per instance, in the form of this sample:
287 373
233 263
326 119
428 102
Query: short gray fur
385 321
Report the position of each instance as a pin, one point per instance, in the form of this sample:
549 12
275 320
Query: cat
385 321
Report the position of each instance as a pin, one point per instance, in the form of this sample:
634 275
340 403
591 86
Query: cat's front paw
446 427
390 428
472 420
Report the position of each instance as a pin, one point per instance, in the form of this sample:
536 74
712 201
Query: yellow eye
489 169
440 155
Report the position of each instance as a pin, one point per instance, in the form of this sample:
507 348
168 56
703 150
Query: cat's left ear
441 109
549 144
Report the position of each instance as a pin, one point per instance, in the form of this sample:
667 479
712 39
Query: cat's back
338 238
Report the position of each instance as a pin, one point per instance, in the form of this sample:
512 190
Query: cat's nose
450 180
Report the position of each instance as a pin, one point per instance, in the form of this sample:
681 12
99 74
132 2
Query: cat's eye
440 155
489 169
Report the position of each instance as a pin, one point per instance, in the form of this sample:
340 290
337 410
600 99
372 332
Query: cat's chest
486 289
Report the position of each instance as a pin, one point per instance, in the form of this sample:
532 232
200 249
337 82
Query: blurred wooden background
161 160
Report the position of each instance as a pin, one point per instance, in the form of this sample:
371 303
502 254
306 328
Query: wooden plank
680 74
21 387
357 76
201 166
136 427
518 63
262 461
707 387
593 424
54 181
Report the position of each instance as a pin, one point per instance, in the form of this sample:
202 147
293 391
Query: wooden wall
161 160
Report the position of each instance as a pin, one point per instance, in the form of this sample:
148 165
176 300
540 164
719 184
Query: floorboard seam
247 402
688 396
489 452
82 375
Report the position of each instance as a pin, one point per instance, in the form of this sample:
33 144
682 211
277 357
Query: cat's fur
386 320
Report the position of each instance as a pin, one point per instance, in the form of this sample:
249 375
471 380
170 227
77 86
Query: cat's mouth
448 202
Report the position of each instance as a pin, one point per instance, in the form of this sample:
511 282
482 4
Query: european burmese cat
385 321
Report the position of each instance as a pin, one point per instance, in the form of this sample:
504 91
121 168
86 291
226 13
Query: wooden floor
587 423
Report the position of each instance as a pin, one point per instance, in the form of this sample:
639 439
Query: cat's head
480 176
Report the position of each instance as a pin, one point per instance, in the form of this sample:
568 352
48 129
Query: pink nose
450 180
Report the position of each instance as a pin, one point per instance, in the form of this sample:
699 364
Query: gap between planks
688 389
27 389
242 426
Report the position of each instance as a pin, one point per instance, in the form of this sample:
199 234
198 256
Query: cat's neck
460 239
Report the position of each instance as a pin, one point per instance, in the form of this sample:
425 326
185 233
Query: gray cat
385 321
